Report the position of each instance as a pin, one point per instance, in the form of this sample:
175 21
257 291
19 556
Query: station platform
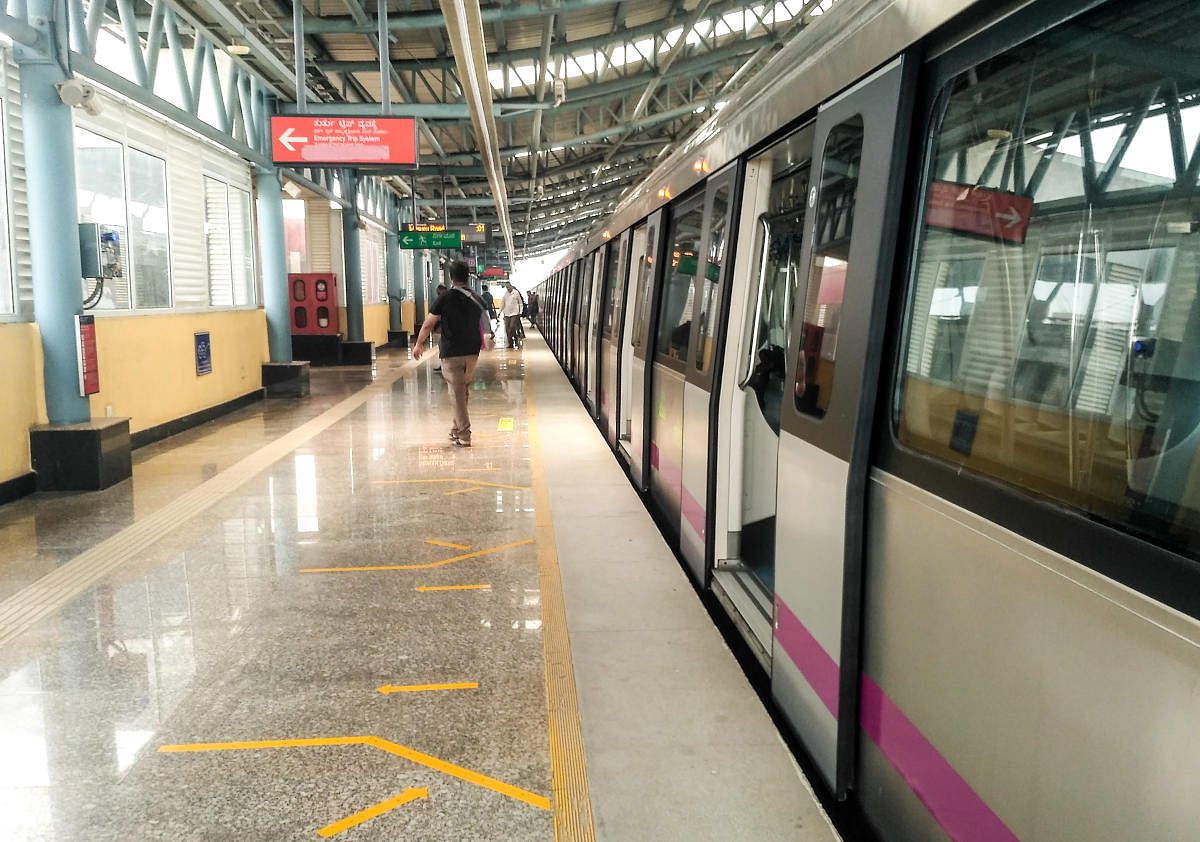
318 618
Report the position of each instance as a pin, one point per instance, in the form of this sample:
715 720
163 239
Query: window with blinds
229 235
7 298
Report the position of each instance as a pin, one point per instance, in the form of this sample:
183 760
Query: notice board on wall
203 353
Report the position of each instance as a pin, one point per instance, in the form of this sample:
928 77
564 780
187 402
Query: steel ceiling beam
432 20
465 29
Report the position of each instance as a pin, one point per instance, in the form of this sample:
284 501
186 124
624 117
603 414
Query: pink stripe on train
954 805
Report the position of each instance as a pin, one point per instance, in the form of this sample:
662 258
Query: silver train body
904 350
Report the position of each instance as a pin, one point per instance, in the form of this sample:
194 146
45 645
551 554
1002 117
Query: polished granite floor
209 664
221 633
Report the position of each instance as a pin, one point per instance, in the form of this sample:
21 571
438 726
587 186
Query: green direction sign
430 240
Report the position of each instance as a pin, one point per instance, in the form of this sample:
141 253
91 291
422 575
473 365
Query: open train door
829 403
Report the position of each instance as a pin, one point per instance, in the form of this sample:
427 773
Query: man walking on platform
511 309
460 314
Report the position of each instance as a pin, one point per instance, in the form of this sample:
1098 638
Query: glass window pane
1053 329
827 278
100 194
710 300
675 312
241 246
643 279
294 235
216 235
612 284
149 251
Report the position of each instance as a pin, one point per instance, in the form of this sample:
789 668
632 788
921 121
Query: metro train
903 348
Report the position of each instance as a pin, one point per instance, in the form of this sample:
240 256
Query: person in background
459 313
489 302
533 307
511 309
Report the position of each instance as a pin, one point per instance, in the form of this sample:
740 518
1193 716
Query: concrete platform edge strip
23 609
569 782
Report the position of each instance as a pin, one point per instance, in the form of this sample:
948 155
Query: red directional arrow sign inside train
344 140
977 210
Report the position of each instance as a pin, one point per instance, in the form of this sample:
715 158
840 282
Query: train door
615 275
673 339
583 286
828 405
591 332
707 342
647 248
765 277
572 317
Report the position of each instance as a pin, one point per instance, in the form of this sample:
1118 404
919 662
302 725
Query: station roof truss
586 96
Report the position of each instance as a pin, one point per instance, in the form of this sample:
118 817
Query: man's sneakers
461 442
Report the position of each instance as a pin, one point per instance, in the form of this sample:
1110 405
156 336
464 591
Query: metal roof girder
432 20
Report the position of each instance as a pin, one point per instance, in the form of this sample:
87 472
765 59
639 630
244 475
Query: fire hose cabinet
314 303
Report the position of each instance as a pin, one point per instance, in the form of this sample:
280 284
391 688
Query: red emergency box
314 303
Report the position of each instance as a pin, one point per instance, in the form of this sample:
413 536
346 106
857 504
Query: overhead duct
464 24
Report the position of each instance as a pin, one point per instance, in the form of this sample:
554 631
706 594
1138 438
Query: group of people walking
466 320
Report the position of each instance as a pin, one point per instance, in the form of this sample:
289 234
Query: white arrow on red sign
1012 216
287 139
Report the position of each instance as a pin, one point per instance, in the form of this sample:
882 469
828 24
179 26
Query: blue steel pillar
353 259
53 215
391 250
274 264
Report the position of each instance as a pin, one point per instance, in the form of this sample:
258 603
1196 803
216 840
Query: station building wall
24 402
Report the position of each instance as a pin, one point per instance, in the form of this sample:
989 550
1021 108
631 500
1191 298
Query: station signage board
430 239
978 210
424 226
494 272
344 140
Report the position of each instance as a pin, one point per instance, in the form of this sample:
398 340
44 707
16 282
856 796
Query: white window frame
251 246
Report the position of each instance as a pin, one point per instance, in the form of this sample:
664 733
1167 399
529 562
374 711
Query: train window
643 241
612 286
675 314
1053 325
827 278
709 300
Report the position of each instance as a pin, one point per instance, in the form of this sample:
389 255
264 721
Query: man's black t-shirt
459 314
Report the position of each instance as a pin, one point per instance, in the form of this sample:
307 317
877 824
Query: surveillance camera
74 92
92 106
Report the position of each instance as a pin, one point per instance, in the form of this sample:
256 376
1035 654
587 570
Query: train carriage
909 368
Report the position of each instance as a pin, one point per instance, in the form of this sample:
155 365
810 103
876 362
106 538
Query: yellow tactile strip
572 801
54 590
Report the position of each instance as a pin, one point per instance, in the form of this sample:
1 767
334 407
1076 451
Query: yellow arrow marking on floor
407 753
428 566
448 544
454 587
417 688
506 425
464 490
371 812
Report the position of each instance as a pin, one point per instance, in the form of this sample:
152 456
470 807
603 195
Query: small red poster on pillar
85 355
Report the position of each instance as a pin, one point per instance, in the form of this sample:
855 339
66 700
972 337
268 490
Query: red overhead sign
977 210
494 272
344 140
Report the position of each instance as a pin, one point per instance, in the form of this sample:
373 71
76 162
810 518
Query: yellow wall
24 401
148 363
375 323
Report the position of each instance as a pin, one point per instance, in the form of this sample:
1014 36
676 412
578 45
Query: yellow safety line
448 544
448 479
371 812
54 590
415 756
568 771
428 566
417 688
454 587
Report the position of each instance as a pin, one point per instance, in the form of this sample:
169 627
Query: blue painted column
53 215
391 251
352 255
273 254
